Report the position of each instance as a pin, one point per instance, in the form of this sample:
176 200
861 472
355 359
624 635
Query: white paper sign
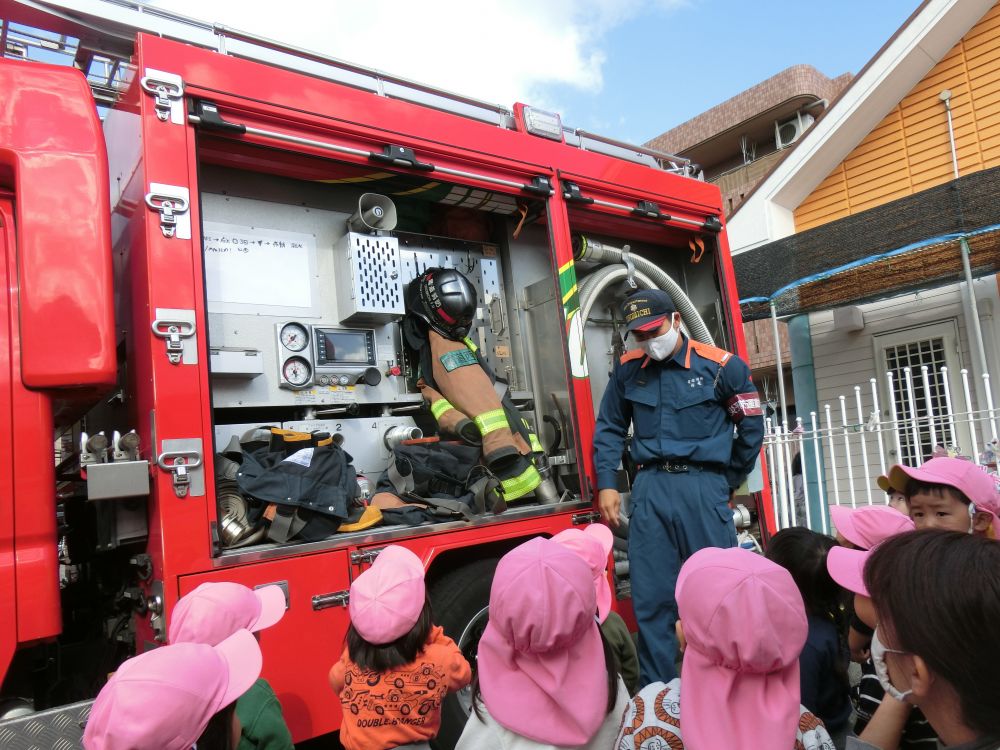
249 267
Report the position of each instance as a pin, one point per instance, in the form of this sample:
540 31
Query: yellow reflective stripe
491 421
440 406
536 445
471 344
520 485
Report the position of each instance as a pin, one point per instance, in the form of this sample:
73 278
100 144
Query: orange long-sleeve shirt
403 705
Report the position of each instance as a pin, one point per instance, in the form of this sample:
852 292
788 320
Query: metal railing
844 448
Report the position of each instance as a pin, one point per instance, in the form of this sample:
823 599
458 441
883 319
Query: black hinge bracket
649 210
712 224
401 156
210 119
539 186
571 192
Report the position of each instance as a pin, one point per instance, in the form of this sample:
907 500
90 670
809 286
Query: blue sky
666 66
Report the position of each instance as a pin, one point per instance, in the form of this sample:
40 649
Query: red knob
395 371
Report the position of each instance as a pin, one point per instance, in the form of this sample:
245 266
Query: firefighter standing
683 399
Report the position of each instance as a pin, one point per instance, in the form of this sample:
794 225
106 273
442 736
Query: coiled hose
585 248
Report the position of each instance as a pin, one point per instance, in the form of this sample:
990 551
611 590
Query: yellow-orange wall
909 151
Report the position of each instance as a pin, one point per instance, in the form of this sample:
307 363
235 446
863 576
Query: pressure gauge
296 371
294 337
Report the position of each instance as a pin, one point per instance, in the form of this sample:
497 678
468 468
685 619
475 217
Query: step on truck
209 244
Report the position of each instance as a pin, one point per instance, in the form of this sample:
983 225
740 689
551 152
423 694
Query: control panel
325 356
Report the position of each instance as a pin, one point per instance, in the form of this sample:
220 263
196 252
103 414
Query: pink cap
163 699
214 611
846 566
745 626
868 525
387 599
541 660
593 544
965 476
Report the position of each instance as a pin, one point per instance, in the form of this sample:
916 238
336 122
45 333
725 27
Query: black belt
677 466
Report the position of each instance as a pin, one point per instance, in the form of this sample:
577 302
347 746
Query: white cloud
494 50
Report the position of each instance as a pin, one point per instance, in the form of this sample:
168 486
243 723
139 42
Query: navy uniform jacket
683 408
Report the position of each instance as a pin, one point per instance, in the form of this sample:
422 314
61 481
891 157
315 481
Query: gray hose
594 250
601 279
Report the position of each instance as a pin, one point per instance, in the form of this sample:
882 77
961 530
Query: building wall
843 360
737 182
909 150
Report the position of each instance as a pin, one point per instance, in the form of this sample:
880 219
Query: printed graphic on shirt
395 698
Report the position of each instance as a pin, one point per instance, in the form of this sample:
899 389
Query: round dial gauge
294 337
296 371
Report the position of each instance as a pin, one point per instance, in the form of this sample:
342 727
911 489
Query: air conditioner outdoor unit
789 131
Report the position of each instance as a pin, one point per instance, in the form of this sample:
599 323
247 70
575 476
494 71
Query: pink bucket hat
164 698
541 660
868 525
846 566
387 599
214 611
593 544
965 476
745 626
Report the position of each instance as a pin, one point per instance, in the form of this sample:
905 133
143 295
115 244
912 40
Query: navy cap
646 309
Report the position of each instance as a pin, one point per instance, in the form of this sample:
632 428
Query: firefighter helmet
445 299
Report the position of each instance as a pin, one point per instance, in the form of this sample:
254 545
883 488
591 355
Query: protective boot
450 420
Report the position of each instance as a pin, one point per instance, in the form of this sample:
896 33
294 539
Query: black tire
457 598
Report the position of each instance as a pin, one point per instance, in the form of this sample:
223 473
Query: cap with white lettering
646 309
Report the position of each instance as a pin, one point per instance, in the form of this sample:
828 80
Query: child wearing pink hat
894 496
950 494
546 677
213 612
594 544
861 529
743 624
881 721
936 596
398 666
173 697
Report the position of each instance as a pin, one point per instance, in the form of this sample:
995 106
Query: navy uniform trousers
698 408
673 515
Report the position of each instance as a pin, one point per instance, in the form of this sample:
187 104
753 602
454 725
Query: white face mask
661 347
972 518
882 671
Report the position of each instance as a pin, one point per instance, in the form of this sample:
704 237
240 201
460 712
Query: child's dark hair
403 650
218 735
802 552
913 486
610 662
939 594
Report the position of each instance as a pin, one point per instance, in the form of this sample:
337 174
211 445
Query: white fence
846 447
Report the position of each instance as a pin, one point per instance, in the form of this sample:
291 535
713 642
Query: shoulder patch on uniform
709 352
632 354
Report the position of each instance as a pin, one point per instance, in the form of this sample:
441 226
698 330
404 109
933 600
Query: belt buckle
673 467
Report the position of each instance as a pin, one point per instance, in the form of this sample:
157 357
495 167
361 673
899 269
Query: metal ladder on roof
101 44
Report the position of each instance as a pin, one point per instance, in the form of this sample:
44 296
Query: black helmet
445 299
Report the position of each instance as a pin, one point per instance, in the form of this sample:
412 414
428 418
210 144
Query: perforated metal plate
369 280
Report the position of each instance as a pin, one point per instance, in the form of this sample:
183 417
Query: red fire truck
228 250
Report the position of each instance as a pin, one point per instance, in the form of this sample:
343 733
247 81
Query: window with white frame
924 421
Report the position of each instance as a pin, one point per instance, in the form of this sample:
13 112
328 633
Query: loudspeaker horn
375 212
